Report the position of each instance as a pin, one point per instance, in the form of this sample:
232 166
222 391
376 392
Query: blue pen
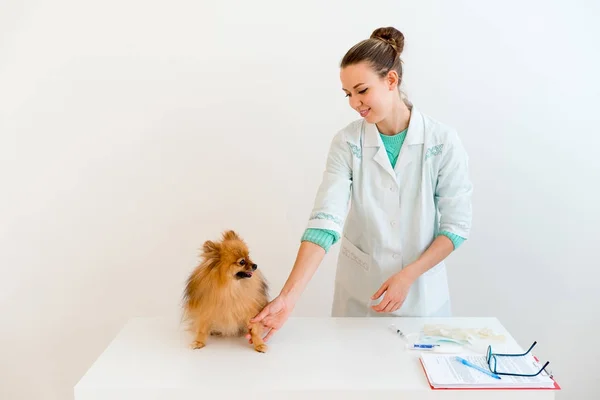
478 368
422 346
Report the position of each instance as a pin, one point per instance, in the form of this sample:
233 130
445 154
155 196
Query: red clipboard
556 385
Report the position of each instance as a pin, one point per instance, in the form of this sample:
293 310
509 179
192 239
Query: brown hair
382 51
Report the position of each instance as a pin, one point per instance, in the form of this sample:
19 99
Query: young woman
395 193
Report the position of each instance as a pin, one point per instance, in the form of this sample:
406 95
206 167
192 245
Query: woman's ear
392 80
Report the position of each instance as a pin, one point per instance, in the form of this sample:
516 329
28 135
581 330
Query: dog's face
231 256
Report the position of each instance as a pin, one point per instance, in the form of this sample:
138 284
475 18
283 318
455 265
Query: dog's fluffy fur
224 292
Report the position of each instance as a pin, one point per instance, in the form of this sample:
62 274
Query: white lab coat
388 217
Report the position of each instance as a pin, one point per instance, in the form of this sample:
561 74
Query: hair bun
391 36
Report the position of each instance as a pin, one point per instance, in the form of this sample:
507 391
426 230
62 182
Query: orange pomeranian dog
224 292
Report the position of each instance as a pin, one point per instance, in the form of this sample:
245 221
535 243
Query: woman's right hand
273 316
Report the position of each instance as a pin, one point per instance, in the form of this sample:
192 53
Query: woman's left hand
396 289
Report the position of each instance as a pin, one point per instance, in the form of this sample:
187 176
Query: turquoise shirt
326 238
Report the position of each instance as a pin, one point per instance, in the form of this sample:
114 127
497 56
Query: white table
310 358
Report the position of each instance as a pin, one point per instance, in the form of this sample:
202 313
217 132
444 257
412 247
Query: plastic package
464 335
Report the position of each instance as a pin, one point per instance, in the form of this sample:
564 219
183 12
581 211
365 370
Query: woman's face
369 94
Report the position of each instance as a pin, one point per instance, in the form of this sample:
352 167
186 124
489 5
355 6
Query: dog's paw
261 348
197 344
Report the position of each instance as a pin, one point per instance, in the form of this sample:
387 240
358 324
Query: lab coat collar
414 136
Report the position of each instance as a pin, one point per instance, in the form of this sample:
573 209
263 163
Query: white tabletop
314 358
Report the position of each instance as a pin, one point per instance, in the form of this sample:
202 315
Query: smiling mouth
244 274
363 113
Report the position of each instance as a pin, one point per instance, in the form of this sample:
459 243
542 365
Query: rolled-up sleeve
331 203
454 189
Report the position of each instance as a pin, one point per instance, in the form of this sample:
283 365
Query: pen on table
477 367
425 346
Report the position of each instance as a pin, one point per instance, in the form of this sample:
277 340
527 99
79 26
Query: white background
132 131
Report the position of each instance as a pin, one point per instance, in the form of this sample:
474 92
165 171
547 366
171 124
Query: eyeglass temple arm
515 355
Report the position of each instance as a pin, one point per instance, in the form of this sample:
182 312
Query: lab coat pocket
436 292
355 272
354 254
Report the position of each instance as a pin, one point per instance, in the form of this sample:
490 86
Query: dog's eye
243 262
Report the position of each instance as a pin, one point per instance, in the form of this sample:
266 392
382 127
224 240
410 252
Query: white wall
132 131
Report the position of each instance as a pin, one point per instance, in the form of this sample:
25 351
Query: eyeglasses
492 361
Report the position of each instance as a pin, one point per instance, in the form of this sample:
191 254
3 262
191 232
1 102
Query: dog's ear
230 235
211 247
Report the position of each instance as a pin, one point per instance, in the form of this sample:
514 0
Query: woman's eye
363 91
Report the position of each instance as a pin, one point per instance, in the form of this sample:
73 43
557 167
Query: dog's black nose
254 266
